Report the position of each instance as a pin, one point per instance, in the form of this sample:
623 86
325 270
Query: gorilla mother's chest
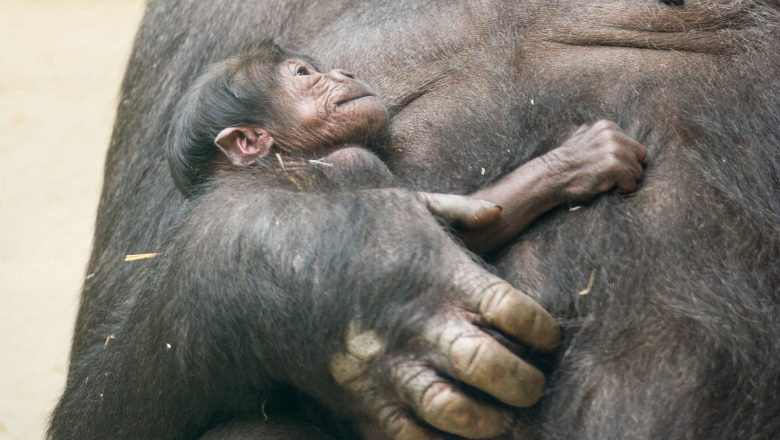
476 88
443 70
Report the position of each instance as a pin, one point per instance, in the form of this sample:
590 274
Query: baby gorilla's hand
595 159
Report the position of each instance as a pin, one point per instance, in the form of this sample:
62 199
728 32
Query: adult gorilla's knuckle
470 279
466 353
437 397
410 373
460 415
494 297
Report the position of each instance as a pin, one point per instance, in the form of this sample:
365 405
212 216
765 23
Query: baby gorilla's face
318 111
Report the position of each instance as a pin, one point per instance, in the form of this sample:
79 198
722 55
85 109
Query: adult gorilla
673 333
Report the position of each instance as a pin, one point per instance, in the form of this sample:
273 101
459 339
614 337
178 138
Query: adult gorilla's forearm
287 307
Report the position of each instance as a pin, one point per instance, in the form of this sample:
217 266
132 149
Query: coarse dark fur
677 337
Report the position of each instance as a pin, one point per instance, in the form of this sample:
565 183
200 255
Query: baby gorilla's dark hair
236 91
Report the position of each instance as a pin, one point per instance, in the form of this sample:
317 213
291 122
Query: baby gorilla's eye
302 71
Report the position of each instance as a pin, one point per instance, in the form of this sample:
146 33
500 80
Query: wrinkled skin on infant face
312 114
335 105
666 298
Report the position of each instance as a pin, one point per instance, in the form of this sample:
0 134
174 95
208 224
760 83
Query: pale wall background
61 63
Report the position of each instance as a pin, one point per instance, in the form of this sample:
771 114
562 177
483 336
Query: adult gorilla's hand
403 382
461 212
359 298
403 386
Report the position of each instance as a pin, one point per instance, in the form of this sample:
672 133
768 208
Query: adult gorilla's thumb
462 212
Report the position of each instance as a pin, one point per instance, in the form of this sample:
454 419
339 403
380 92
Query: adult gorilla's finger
501 306
396 422
461 212
439 403
391 415
477 359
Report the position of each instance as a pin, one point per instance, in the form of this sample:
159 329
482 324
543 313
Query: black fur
677 338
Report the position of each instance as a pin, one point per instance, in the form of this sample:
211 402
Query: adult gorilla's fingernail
489 204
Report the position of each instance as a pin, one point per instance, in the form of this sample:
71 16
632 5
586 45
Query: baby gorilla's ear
244 144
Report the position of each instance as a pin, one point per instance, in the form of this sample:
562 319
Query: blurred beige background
61 62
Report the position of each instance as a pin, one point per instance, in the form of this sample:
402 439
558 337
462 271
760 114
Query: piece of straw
592 279
136 257
289 177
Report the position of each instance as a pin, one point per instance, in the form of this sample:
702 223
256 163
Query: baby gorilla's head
243 107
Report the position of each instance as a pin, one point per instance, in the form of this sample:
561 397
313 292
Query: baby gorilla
263 101
269 100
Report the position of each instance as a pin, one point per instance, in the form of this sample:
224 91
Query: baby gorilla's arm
356 167
593 160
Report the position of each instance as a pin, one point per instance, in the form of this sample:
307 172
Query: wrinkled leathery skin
667 298
361 348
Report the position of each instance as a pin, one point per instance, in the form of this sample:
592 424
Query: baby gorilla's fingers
639 150
628 169
628 179
476 358
461 212
439 403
